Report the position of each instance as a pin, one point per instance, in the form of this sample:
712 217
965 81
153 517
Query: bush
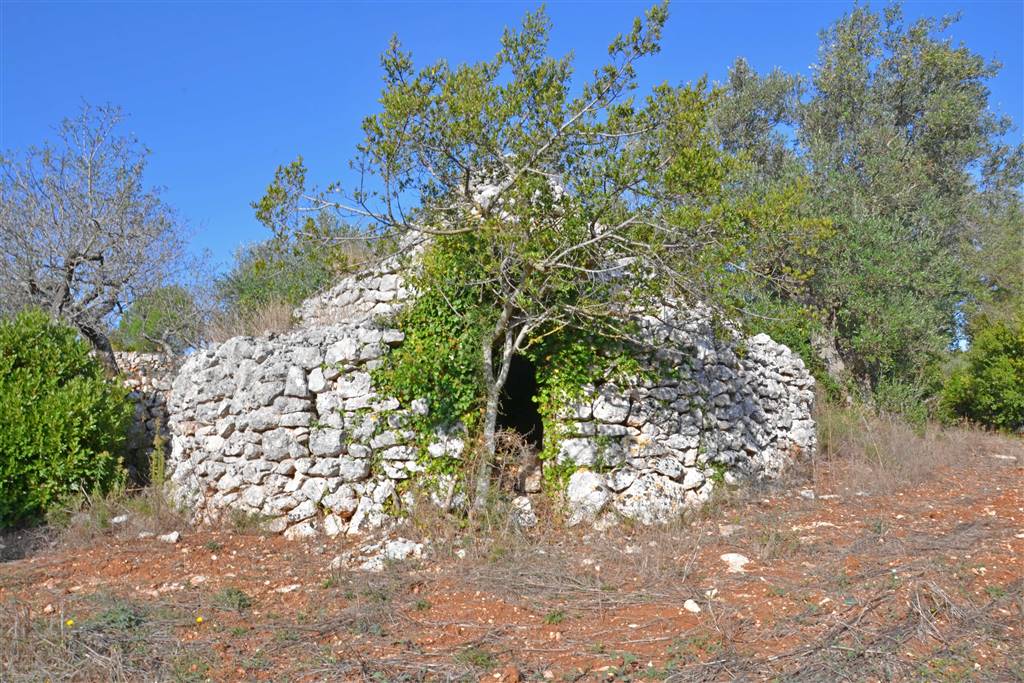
268 273
283 271
64 423
988 387
166 320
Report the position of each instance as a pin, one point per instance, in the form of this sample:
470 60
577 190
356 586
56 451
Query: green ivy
439 360
566 363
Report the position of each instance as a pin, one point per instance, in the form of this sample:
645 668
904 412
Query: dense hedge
988 388
62 422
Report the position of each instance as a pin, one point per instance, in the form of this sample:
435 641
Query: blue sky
224 92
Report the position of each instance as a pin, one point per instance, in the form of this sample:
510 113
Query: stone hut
289 427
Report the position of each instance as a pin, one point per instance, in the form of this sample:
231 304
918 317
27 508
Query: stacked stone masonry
290 428
148 376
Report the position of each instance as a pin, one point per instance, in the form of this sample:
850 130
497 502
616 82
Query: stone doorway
517 411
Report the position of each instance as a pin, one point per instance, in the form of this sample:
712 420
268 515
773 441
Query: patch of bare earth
920 580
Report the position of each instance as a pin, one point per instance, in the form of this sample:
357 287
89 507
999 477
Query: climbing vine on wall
566 364
439 360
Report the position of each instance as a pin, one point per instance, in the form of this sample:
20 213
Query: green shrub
267 273
165 320
288 271
63 422
988 387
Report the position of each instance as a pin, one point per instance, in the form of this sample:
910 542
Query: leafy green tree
540 207
994 249
893 129
751 117
166 320
64 422
988 387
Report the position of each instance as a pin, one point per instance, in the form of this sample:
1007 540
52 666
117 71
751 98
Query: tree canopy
540 205
81 236
165 320
895 132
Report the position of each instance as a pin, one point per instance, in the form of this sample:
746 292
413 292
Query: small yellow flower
69 623
199 620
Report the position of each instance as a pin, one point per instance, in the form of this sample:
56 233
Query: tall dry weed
273 318
879 453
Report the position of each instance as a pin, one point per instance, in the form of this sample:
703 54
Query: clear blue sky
224 92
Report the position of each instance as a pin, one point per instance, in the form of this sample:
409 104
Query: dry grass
903 594
273 318
100 637
122 513
878 454
87 519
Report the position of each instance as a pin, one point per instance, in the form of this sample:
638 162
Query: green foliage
911 399
903 153
554 618
164 320
568 361
232 598
898 117
64 423
539 199
308 252
439 360
988 387
122 616
718 471
157 474
266 273
476 657
994 251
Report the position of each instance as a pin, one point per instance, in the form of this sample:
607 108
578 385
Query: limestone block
279 444
586 496
314 489
652 498
326 442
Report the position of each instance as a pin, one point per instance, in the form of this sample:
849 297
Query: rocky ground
826 578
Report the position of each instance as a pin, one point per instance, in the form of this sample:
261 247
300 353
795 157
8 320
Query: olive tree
166 320
81 236
896 130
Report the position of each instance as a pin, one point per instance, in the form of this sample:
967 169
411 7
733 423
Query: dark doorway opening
517 411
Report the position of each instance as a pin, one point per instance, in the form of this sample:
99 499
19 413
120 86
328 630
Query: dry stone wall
148 376
289 427
720 411
357 298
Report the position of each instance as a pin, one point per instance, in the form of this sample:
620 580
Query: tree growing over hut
544 206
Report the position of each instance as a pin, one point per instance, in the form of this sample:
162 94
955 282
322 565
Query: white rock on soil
522 512
735 561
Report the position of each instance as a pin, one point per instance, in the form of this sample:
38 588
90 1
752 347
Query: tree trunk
495 382
100 343
826 347
488 448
